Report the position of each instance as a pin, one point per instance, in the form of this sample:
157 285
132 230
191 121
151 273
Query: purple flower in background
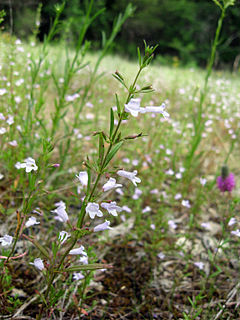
226 182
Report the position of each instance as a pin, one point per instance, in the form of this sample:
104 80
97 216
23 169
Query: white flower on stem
129 175
232 221
78 251
199 264
172 224
13 143
93 209
10 120
63 236
133 107
6 240
83 260
153 109
83 178
186 203
3 91
78 276
236 233
203 181
102 226
38 263
29 164
62 215
111 184
111 207
31 222
2 130
146 209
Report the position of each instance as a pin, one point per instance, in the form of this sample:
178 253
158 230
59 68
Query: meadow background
67 72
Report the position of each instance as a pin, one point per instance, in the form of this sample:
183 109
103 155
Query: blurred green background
184 29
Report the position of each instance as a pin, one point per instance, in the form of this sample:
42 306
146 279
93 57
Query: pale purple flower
236 233
172 224
161 255
102 226
63 236
129 175
78 276
3 91
232 221
178 196
199 264
152 226
203 181
6 240
111 184
31 222
13 143
38 263
137 194
154 109
146 209
2 130
111 207
83 260
206 225
10 120
133 107
93 209
127 209
83 178
29 164
186 203
78 251
61 214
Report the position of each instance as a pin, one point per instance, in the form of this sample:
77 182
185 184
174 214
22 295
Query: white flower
29 164
206 225
161 255
178 196
78 276
153 109
137 194
3 91
78 251
6 240
63 235
13 143
73 97
170 172
133 107
93 209
203 181
111 207
62 215
186 203
1 176
2 116
152 226
2 130
83 260
130 175
31 222
172 224
83 177
38 263
146 209
111 184
102 226
127 209
199 264
236 233
232 221
10 120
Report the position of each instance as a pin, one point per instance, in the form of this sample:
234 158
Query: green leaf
111 122
93 266
119 111
112 153
100 149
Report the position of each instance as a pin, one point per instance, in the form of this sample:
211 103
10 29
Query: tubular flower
111 184
111 207
226 182
130 175
93 209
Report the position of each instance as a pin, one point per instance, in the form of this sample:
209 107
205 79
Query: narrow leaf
111 122
112 153
93 266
